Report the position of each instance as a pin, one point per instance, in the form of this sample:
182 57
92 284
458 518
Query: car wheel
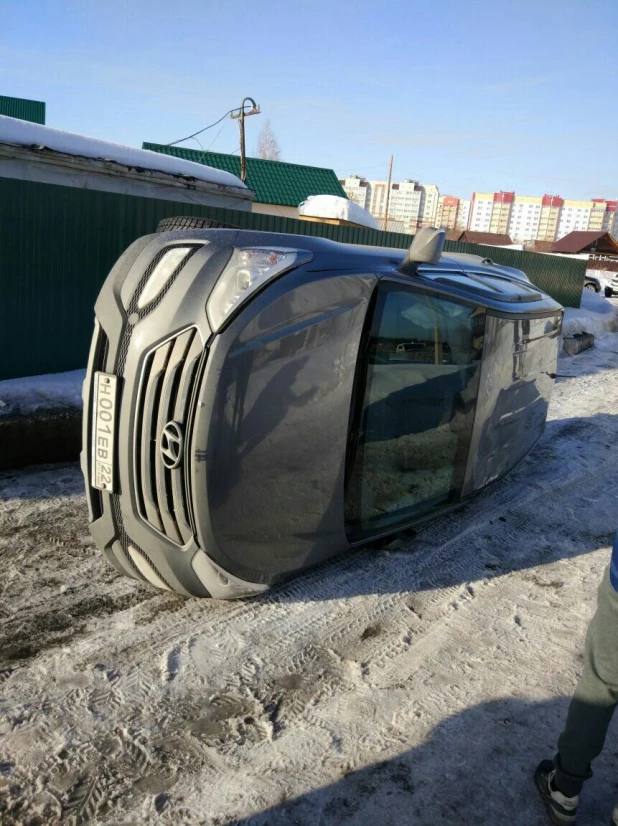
609 291
189 222
592 287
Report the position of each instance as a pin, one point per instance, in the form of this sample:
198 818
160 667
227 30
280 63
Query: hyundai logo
171 445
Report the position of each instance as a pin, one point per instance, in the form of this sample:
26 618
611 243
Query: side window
411 429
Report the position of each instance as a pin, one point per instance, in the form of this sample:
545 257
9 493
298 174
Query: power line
199 132
216 136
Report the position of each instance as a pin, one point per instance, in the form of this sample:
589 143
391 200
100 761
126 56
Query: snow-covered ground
597 315
417 686
24 396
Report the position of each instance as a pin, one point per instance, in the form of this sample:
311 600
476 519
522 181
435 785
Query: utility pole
388 193
240 114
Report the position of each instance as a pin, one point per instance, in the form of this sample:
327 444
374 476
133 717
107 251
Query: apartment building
524 218
452 212
463 213
597 215
551 205
501 212
404 204
357 189
429 204
481 211
574 215
527 218
411 204
610 221
446 214
604 216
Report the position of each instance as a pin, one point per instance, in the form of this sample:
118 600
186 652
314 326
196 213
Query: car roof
474 277
459 261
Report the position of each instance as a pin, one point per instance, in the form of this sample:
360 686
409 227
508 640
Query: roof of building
274 182
579 241
23 133
31 110
494 239
540 246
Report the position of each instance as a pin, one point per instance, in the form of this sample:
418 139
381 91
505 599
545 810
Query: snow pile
23 133
24 396
332 206
596 315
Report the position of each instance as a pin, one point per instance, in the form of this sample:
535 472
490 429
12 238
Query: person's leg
596 694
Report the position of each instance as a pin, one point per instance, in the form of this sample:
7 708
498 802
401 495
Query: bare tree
268 148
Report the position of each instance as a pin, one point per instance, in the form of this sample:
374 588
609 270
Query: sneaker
562 809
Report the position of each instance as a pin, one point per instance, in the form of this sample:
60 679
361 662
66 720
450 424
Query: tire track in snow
309 633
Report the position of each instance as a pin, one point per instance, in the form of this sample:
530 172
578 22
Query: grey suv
257 403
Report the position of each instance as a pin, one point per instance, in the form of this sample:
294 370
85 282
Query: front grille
133 310
165 390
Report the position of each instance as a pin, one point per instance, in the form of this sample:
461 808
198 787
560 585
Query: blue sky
482 94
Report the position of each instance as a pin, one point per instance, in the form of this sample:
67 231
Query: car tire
609 291
592 287
189 222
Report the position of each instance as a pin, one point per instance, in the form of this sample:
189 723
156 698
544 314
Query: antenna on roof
426 248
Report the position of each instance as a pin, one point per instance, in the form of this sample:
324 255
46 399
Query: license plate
103 430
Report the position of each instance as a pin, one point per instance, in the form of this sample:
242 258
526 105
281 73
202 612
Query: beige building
524 218
463 213
452 212
446 215
410 205
551 206
501 212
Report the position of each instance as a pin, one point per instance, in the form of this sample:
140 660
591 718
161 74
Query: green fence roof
274 182
32 110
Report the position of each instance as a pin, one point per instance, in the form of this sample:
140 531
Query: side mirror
426 248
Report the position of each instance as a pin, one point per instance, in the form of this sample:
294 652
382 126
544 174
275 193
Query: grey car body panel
278 383
514 390
267 428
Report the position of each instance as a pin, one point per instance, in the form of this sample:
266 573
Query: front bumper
145 526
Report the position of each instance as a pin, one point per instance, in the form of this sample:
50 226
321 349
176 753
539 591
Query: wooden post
388 193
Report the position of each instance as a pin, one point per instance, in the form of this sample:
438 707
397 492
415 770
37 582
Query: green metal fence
58 243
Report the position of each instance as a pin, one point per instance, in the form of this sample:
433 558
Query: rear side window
416 394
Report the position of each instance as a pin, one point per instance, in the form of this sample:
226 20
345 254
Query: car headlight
248 270
163 271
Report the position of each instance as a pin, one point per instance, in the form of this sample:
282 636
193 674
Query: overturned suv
257 403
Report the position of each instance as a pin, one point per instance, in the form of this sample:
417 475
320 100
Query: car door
411 423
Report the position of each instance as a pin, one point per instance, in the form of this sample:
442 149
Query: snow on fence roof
332 206
24 133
